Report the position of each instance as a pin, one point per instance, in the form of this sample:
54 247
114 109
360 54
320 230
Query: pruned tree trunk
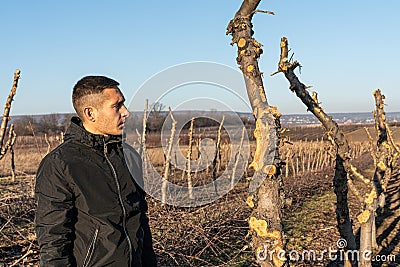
385 149
371 147
366 239
334 135
9 145
368 227
238 158
219 144
12 136
46 139
287 163
168 159
142 144
267 201
217 156
188 161
7 107
13 174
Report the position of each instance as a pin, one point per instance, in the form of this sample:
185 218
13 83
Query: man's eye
118 106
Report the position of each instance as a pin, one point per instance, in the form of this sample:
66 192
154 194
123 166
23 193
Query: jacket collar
77 132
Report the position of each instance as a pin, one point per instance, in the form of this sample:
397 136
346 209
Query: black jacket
90 211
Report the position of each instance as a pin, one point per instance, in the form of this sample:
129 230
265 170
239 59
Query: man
90 210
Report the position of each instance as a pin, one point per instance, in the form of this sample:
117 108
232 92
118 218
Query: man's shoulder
54 169
62 153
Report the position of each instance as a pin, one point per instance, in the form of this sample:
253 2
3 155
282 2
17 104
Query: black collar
77 132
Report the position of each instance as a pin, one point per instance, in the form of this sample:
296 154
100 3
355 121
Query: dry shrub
211 235
17 209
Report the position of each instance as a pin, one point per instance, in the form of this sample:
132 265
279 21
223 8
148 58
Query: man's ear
90 113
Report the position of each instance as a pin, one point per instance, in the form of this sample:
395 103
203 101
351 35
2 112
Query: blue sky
347 48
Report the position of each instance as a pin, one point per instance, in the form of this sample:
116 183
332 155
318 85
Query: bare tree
217 156
156 117
6 117
168 158
375 199
188 170
335 135
267 202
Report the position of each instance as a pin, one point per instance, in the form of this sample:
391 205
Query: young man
90 210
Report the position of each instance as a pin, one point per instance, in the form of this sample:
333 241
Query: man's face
111 113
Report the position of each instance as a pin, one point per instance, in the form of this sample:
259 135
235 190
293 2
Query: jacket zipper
90 250
120 202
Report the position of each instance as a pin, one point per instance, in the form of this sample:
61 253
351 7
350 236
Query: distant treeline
156 122
51 124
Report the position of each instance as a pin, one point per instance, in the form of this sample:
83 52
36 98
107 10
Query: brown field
215 234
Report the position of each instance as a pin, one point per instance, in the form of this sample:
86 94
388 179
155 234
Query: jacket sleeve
54 220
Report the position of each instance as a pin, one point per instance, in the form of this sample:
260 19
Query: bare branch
7 107
334 135
168 158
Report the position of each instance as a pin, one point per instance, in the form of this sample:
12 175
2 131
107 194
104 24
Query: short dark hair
90 85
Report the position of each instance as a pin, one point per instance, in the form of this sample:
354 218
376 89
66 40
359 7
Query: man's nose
125 112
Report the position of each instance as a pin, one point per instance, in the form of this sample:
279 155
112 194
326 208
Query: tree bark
6 115
368 231
168 159
334 135
189 160
217 157
384 148
267 200
366 241
238 158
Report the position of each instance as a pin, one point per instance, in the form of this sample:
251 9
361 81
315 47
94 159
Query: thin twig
28 252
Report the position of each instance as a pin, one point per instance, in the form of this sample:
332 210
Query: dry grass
17 245
211 235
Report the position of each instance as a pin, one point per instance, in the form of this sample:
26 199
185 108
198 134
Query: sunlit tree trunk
217 157
267 201
9 145
376 197
168 158
335 136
